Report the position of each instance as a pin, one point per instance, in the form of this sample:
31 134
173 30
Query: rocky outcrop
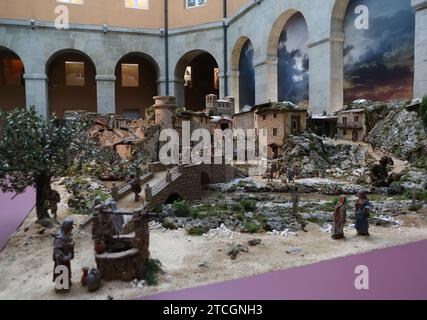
308 155
402 133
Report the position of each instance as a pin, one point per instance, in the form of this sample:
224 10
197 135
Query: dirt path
399 165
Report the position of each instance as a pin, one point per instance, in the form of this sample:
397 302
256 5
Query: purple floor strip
13 212
394 273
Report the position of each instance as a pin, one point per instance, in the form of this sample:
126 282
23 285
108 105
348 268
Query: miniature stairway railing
160 185
125 188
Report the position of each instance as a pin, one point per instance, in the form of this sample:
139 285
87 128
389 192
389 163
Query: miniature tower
165 109
212 104
231 105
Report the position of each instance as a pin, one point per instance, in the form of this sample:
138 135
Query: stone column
177 89
233 80
106 94
327 74
266 80
161 86
36 92
222 78
420 65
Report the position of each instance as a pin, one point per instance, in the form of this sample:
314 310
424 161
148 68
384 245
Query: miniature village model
150 176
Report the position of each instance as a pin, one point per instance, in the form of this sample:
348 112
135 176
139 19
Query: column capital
162 80
269 60
35 76
334 37
105 78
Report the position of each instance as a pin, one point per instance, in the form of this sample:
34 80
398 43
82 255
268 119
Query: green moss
421 163
248 204
197 231
220 196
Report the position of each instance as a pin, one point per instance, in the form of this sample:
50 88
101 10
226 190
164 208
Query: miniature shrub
196 231
151 272
420 195
248 204
158 208
167 224
251 227
195 213
182 208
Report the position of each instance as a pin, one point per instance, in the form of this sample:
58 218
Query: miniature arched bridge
186 182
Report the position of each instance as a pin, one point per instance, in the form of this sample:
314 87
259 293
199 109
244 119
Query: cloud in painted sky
378 63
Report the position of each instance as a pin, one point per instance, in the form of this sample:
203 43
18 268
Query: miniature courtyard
147 227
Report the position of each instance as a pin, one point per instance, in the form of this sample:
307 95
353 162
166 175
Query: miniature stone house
216 107
198 120
221 123
280 120
352 125
244 120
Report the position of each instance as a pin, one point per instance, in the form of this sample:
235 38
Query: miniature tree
34 150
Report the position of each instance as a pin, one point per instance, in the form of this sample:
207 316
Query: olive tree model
34 150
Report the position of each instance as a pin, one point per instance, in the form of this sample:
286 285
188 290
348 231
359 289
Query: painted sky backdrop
247 76
293 64
378 62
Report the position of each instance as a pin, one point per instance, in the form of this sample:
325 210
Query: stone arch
276 31
12 83
338 15
133 97
173 197
203 67
69 89
244 44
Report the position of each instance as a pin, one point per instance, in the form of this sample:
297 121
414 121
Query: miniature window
195 3
130 75
275 132
356 118
13 72
71 1
275 115
264 117
344 120
344 132
137 4
75 74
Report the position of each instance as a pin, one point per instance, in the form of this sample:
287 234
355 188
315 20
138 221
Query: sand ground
26 263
